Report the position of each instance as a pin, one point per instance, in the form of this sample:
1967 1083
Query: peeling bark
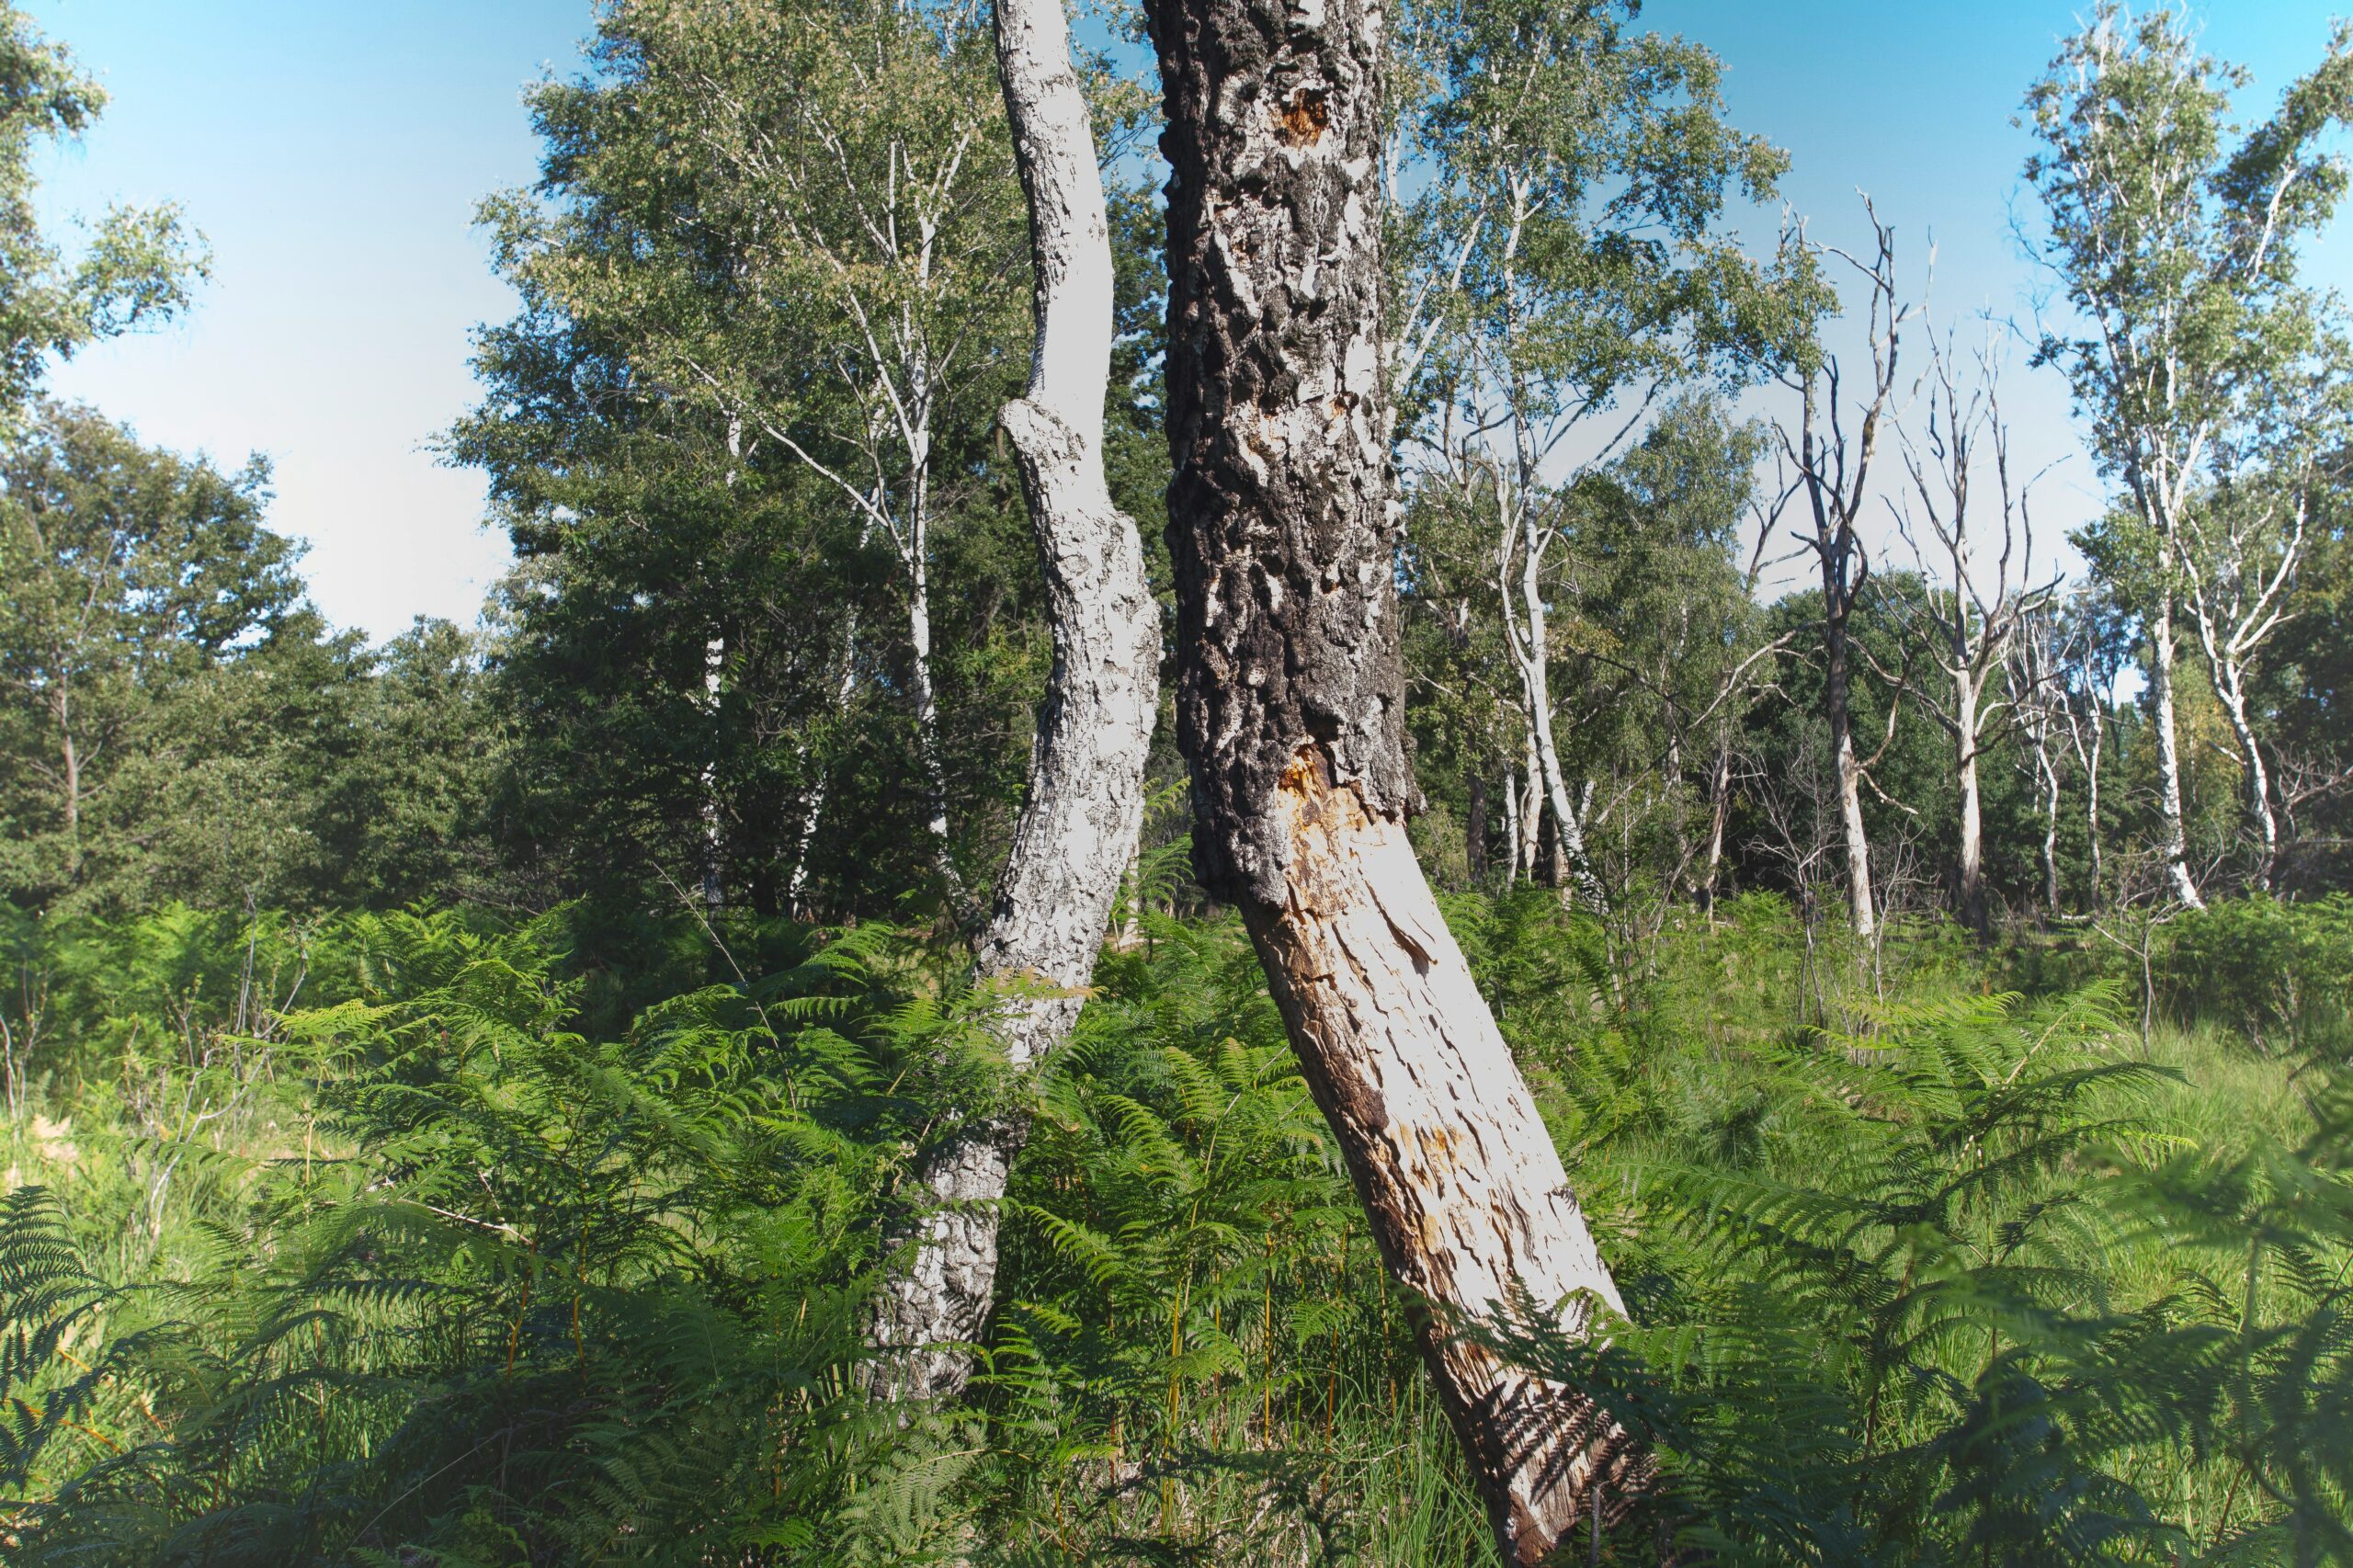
1078 826
1290 710
1466 1193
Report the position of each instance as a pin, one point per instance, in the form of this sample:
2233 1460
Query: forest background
458 1086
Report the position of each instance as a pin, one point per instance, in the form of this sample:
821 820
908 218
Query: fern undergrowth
361 1243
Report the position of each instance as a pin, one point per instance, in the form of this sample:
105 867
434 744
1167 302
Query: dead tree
1290 710
1832 465
2034 675
1078 826
1969 609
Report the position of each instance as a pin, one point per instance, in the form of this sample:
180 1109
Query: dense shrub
2279 973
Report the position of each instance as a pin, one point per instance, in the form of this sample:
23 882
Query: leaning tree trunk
1291 711
2232 693
1078 828
1719 810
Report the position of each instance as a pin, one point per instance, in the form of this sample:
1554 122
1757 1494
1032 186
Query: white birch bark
2038 696
1511 825
2236 599
1860 906
1719 812
1973 812
1520 570
813 813
2173 839
714 849
1078 828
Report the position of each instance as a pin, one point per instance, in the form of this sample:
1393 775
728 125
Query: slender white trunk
1531 810
2233 695
2173 839
1973 817
1079 823
1511 825
1859 845
70 772
2049 775
926 704
1530 642
1719 810
2091 810
1973 846
714 854
813 813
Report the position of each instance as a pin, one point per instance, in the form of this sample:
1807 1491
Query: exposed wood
1290 710
1464 1188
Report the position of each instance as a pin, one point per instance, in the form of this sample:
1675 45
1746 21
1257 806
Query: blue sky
333 152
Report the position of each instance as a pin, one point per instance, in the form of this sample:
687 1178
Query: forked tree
1290 708
1078 825
1831 459
2178 255
1969 609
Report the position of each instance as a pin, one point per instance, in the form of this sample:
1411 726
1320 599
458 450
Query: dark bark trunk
1475 832
1551 855
1290 710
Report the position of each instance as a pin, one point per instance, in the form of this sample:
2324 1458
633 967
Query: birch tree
2240 548
2177 255
1078 828
1290 712
1829 455
1561 271
1976 592
2096 634
2033 677
821 268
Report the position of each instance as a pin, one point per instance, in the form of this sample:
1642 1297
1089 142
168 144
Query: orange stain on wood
1304 118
